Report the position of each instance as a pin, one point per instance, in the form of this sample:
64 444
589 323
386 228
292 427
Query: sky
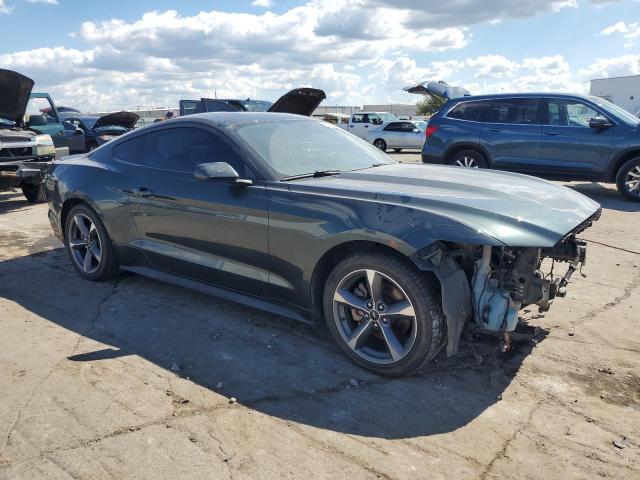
131 54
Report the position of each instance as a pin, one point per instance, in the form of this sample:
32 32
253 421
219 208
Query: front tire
381 144
384 313
628 180
469 159
88 245
34 193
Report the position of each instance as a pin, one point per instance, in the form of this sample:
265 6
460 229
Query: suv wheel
628 180
34 193
384 313
469 159
381 144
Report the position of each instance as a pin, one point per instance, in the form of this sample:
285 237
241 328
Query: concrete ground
132 378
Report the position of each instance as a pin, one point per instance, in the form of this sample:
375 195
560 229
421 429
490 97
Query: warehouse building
623 91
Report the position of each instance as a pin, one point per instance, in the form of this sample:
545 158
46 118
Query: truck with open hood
26 144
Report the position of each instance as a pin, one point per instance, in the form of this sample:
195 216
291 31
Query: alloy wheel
379 144
632 181
375 317
85 244
468 162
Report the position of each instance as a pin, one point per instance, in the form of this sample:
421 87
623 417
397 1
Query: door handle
552 134
141 192
350 126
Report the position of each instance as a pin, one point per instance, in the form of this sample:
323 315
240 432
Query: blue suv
564 137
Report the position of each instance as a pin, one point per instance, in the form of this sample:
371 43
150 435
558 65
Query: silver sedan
397 135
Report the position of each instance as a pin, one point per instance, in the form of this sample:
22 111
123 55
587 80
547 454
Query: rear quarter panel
101 185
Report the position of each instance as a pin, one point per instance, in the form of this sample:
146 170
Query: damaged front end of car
485 287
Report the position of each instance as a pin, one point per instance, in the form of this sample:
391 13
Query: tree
430 105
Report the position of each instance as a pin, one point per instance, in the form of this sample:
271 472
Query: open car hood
300 101
14 95
440 89
120 119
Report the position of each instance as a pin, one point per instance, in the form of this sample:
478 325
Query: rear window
131 151
472 111
515 110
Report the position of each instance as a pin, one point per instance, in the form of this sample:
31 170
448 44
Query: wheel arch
458 147
619 161
335 255
67 205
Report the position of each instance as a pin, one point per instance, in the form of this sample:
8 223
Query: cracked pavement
132 378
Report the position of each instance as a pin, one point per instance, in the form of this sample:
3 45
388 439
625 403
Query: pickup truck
31 135
360 123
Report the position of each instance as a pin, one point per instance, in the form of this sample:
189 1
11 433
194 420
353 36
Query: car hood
121 119
516 210
300 101
440 89
15 90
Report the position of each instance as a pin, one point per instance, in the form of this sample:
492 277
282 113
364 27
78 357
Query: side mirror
599 123
416 130
79 131
218 171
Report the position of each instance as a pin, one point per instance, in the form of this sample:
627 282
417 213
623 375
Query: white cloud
612 67
630 32
262 3
48 2
357 51
4 9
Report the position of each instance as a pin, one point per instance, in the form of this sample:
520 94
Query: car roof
240 118
518 95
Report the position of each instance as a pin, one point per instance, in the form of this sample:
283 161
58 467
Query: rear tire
628 180
34 193
381 144
85 235
469 159
405 302
91 146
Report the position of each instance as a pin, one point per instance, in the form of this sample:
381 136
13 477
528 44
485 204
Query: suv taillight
431 129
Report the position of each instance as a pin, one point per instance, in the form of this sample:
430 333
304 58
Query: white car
397 135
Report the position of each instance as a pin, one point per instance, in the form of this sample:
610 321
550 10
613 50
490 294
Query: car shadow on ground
605 195
8 201
270 364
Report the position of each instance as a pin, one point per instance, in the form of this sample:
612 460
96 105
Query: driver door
568 144
215 232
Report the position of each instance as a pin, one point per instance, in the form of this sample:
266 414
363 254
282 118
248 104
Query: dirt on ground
133 378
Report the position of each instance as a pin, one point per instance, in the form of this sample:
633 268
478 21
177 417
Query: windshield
256 105
298 147
111 128
621 113
5 121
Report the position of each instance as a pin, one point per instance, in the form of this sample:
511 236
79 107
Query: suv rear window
473 111
514 110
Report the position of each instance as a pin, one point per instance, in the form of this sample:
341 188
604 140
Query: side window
68 125
570 113
182 149
408 127
40 112
357 118
375 119
515 110
393 127
472 111
131 151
